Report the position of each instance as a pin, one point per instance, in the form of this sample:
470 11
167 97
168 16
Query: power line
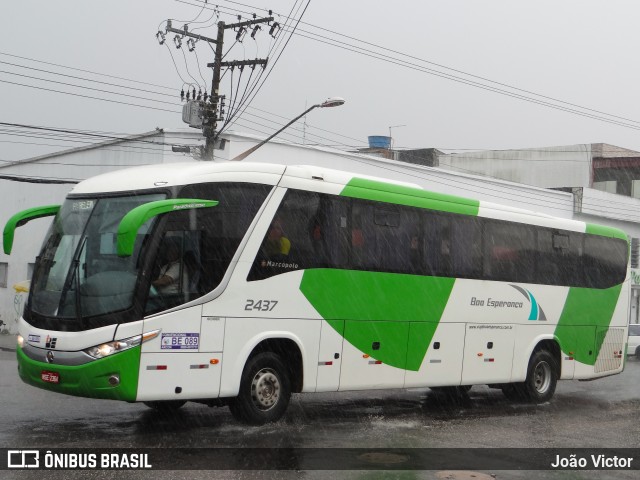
134 88
85 133
394 60
88 96
87 88
84 79
101 74
272 66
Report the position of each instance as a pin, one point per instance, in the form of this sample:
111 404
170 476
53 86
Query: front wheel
265 390
542 377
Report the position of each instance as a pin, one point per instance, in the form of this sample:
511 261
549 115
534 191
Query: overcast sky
582 52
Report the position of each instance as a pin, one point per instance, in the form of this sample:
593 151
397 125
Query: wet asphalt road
602 413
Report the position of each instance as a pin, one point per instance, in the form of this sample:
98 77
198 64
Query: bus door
184 360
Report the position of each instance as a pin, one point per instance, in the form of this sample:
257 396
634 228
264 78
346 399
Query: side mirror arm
22 218
132 221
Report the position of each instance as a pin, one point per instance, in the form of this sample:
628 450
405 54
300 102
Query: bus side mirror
20 219
132 221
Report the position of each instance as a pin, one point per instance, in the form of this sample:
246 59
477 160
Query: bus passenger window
466 250
308 231
437 244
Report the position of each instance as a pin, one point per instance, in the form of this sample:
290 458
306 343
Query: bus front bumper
96 379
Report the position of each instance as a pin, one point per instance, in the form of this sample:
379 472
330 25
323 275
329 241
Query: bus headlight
20 340
106 349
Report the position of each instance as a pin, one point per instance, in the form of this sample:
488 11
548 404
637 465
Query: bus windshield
78 273
80 282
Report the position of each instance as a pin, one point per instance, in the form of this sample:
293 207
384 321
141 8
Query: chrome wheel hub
542 377
265 389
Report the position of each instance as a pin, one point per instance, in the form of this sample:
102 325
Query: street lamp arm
331 102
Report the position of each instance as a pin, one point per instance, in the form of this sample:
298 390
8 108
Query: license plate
50 377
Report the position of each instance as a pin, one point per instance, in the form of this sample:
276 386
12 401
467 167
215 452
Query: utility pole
212 111
211 117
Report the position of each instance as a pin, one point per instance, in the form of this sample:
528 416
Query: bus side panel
488 353
330 356
442 364
173 365
242 335
361 371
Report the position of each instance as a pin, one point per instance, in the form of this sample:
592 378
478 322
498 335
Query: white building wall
615 209
549 167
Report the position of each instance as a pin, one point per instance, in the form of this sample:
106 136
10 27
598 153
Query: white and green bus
238 284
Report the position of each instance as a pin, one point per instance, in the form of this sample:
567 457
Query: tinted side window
437 244
605 261
560 259
211 236
309 230
510 252
385 238
466 247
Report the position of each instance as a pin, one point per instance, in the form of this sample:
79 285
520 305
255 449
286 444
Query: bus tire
542 377
165 406
265 390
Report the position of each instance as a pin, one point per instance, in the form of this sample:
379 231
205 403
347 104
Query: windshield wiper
76 274
73 278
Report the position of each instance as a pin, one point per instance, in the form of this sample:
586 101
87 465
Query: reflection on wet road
600 413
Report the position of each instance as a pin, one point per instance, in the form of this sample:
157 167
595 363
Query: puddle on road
463 475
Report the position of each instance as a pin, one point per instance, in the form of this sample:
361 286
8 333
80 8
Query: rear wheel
265 390
542 377
638 353
541 381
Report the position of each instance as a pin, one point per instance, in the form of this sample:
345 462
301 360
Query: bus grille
611 351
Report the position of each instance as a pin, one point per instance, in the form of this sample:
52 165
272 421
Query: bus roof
176 174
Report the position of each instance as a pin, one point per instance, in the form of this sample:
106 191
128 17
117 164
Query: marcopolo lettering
282 264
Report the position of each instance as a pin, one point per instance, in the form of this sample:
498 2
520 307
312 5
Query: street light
329 102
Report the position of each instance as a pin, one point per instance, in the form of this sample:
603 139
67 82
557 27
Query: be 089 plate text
180 341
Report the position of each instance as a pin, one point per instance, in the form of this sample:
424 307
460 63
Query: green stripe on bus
384 304
603 231
411 197
88 380
585 311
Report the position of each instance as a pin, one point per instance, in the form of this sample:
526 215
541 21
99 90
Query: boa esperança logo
536 312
